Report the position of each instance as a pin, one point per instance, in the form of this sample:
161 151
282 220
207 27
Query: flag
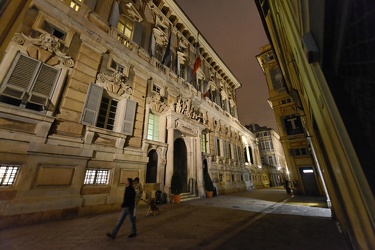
167 50
198 60
197 64
206 89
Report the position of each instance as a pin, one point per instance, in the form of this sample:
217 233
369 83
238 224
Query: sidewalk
233 221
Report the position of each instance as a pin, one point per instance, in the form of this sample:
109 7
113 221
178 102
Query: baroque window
105 111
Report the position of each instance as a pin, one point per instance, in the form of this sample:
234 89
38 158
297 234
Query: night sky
234 30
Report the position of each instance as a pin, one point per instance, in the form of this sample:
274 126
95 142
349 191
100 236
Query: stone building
322 79
93 92
304 173
271 155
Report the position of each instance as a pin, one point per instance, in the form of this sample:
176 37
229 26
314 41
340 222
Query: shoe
132 235
111 235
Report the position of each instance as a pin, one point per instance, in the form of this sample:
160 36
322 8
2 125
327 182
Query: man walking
127 208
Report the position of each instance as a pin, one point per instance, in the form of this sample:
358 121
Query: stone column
199 165
169 167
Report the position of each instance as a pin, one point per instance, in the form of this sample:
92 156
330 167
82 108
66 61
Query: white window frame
124 121
156 88
119 65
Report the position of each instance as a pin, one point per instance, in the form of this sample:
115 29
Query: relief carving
156 103
47 42
184 106
114 83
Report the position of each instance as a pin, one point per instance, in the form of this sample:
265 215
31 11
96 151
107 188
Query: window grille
8 174
96 177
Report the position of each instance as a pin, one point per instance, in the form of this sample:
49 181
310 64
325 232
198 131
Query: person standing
138 193
127 205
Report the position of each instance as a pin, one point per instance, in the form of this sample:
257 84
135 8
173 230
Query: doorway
152 167
309 181
180 162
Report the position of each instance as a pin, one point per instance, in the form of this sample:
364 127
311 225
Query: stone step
188 197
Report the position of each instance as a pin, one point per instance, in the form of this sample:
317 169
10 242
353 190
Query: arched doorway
152 167
180 162
205 168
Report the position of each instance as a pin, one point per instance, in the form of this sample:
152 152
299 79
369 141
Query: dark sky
234 30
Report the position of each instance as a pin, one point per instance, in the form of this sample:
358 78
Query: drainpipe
319 170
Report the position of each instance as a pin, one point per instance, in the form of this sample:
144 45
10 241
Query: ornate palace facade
94 91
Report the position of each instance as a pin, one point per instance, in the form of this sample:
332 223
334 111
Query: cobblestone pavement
257 219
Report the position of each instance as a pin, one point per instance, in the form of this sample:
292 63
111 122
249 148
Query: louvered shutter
138 30
115 14
129 117
92 105
44 85
23 72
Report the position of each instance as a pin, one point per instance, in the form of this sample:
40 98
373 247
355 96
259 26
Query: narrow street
257 219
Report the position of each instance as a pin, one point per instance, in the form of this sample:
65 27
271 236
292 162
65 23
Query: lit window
73 4
153 127
8 174
96 177
29 84
126 27
204 143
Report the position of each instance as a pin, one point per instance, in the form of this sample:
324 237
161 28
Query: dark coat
129 197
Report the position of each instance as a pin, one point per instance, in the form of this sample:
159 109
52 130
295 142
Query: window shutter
44 85
92 104
22 74
115 14
129 117
91 4
138 30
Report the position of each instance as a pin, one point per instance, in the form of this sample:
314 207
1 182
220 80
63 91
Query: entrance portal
309 181
180 162
152 167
